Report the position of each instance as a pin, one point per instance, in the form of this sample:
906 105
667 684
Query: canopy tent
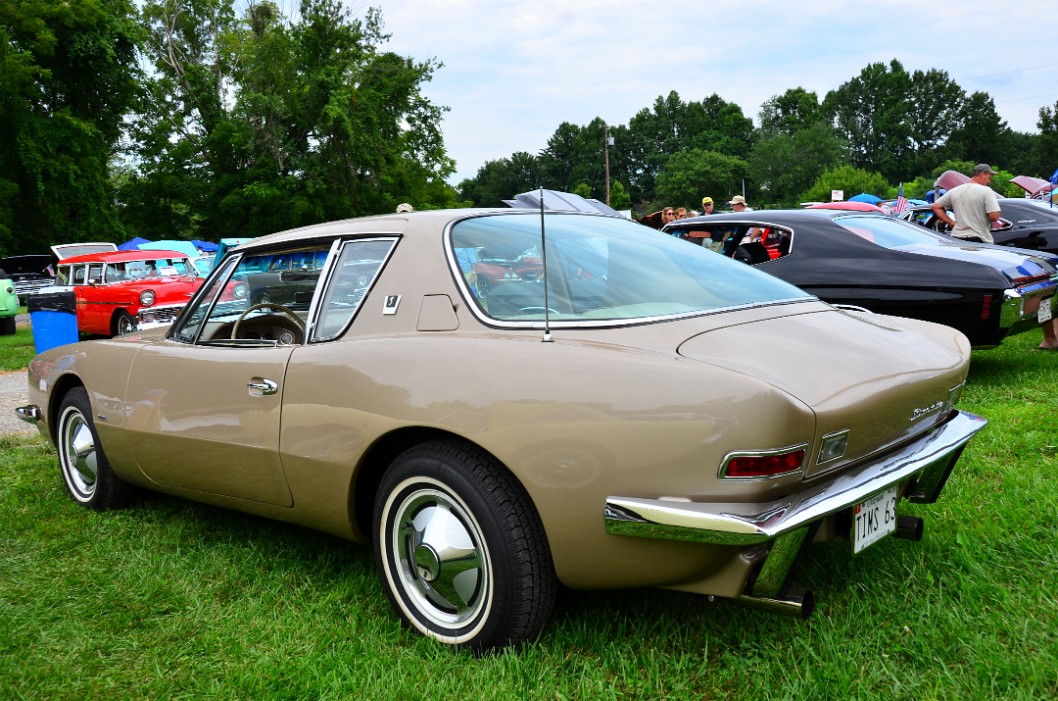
561 201
192 248
132 244
865 197
185 247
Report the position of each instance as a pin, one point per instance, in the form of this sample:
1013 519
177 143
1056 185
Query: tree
852 181
936 107
981 136
1045 155
265 122
791 112
501 180
673 126
69 77
619 197
691 174
784 164
872 113
574 155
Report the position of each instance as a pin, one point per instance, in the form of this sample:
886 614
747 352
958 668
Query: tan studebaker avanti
623 409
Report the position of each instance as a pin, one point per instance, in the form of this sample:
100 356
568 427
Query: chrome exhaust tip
797 602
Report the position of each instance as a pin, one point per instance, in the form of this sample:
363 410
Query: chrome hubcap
441 558
79 454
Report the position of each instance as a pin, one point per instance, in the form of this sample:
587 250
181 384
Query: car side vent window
358 265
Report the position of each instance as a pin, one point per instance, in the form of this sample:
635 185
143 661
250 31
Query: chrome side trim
930 458
30 413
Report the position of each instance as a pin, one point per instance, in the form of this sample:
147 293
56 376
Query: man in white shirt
974 204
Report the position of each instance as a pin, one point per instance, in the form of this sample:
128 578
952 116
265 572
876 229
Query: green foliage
1045 153
620 199
784 163
501 180
689 175
266 122
69 76
17 349
852 181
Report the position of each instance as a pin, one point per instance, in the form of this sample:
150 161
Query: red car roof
122 256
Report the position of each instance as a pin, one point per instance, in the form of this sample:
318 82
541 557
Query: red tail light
986 307
763 465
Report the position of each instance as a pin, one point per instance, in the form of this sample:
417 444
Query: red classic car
113 287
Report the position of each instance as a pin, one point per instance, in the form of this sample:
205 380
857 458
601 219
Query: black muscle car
888 266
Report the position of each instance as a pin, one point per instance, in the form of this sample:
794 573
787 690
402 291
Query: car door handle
260 387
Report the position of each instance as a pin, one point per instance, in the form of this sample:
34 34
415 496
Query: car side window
254 300
359 263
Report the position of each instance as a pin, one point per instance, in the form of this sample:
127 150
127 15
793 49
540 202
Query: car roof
122 256
423 222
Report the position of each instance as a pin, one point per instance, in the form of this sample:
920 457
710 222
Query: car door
203 407
207 418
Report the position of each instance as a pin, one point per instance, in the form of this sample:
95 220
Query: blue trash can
53 316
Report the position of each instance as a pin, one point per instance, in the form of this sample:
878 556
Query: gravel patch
13 393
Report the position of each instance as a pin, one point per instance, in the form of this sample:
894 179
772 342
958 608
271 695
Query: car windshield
888 232
600 270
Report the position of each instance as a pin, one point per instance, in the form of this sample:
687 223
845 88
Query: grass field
175 600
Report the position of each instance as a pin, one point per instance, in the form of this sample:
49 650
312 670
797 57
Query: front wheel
460 548
85 469
122 323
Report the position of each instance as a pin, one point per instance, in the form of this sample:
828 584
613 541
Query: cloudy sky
514 71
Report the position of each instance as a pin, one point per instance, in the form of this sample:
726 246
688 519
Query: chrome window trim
537 324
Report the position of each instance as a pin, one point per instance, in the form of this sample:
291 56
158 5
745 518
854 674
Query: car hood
1014 263
880 378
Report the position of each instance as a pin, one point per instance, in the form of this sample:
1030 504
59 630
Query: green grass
17 350
176 600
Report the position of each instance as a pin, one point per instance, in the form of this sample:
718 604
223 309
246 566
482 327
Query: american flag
901 202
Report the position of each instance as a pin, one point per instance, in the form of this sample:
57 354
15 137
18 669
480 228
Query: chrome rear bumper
928 459
785 527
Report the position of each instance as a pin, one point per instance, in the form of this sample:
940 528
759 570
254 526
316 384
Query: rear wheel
85 469
7 326
460 548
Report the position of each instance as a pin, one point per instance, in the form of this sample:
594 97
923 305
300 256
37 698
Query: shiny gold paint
646 411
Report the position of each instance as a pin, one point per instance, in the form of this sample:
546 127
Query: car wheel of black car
122 323
460 548
85 469
7 326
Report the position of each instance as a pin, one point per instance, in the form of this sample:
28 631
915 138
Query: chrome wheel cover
78 454
438 559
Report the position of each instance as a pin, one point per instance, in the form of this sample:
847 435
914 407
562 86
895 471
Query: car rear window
601 270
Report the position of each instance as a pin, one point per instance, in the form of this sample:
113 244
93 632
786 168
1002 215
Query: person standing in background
974 204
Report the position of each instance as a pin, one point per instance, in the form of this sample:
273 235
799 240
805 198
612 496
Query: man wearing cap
707 206
974 204
738 203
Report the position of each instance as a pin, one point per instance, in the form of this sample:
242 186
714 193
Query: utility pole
607 143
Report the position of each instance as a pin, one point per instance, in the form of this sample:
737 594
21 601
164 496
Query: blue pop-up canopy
865 197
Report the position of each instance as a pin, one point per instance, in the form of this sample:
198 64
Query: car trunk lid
883 380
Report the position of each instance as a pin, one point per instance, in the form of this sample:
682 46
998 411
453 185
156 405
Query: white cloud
514 71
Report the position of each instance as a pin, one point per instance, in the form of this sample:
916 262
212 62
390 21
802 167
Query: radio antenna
543 255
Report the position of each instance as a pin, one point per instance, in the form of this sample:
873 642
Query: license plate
873 519
1044 313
